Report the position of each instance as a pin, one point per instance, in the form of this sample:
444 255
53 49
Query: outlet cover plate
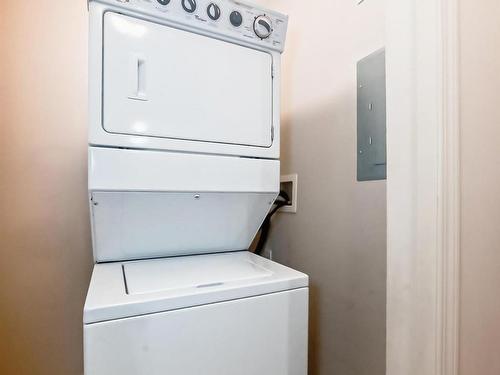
293 180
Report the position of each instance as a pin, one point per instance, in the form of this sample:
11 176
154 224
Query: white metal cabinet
264 335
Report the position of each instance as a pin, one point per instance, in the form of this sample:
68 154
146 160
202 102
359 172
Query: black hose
282 200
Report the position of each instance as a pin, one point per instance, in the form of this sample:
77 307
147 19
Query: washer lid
122 290
189 272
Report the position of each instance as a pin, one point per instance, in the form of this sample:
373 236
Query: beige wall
338 234
480 117
44 231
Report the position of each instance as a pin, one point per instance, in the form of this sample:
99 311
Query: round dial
236 18
164 2
189 5
263 27
213 11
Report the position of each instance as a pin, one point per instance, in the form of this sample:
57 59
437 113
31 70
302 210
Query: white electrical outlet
289 183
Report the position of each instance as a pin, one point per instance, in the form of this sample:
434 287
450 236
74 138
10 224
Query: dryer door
159 81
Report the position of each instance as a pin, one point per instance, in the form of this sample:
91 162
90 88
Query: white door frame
423 187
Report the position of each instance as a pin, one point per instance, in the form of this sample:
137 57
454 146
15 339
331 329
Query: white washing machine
183 169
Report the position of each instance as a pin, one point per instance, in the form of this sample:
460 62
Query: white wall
480 127
338 234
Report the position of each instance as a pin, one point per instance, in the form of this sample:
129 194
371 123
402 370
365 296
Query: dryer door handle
137 78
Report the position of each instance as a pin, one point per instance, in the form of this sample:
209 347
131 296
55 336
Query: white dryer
183 169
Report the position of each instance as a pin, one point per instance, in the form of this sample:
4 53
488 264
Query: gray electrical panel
372 158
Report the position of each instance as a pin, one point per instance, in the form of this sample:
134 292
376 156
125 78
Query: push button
236 19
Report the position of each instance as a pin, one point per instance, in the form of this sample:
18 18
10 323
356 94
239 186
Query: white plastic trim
294 179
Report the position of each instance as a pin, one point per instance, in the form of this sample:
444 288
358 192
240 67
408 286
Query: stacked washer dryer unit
183 168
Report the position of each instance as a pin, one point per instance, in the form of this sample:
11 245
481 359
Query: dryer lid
122 290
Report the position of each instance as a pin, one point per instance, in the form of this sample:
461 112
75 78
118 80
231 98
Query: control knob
213 11
263 27
189 5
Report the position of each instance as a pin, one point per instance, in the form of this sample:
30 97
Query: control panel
229 18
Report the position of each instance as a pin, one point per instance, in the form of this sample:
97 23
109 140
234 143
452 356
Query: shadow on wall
338 237
315 338
46 259
44 217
